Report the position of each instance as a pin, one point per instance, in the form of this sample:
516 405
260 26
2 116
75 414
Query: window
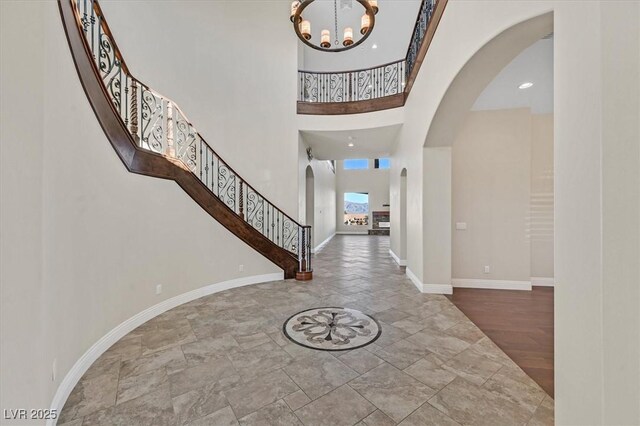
356 208
382 163
359 164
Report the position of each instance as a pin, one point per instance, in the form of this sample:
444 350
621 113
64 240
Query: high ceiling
367 143
535 65
391 34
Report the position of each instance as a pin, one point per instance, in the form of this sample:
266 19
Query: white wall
24 362
324 218
373 181
84 242
491 193
596 178
503 191
541 224
597 187
216 62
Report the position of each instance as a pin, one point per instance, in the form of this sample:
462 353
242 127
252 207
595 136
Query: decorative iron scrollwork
158 125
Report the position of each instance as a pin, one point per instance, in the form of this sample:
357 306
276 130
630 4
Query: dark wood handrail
109 111
348 71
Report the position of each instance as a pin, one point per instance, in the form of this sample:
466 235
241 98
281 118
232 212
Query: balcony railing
348 86
380 87
158 125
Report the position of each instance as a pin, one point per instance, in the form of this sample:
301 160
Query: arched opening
403 217
310 201
488 193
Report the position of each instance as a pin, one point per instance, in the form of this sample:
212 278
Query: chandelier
302 27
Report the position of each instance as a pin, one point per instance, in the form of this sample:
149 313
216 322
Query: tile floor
223 360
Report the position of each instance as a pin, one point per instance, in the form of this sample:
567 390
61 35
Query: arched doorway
310 200
403 217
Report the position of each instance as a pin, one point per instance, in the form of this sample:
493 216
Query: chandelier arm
297 18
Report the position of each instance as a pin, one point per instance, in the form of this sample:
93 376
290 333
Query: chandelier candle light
302 27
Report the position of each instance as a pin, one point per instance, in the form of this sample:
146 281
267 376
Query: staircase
153 137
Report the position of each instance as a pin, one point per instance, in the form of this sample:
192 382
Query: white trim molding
93 353
322 244
401 262
429 288
491 284
352 232
543 281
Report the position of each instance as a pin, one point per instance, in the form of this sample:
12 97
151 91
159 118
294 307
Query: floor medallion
332 329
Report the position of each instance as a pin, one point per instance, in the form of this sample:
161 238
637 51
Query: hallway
223 359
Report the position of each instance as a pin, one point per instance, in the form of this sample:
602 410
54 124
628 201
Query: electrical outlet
241 268
487 269
54 369
159 289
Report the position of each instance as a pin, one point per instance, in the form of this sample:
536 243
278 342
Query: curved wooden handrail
355 70
339 92
117 112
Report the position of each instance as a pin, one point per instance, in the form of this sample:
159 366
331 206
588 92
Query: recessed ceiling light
525 85
375 46
350 144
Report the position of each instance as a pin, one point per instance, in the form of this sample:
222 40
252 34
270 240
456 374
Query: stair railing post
171 150
300 249
308 244
134 110
241 201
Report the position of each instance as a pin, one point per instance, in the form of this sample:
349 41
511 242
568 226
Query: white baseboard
429 288
322 244
491 284
543 281
352 233
98 348
401 262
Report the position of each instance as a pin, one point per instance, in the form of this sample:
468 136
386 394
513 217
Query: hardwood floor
519 322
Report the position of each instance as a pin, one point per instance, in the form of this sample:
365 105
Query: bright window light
356 209
358 164
382 163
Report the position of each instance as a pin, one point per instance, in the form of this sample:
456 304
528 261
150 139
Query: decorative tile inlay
332 329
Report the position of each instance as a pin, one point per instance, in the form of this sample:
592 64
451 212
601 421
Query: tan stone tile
430 372
428 415
378 418
297 400
207 348
259 360
319 374
544 414
134 386
150 409
467 331
172 359
467 403
402 353
360 360
217 371
277 413
342 406
472 367
395 393
443 345
222 417
245 398
197 403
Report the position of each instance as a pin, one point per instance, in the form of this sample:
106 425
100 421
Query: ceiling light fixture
375 46
525 85
350 145
302 27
